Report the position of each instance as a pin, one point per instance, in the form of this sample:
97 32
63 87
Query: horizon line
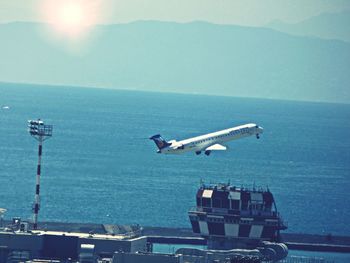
132 89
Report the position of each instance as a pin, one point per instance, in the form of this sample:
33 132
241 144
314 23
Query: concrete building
21 246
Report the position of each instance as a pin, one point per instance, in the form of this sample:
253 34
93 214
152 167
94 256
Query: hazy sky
242 12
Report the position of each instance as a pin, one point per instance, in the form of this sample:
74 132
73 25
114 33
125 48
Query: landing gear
198 153
207 153
257 136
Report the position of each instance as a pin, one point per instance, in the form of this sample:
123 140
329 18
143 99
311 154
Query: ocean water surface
99 167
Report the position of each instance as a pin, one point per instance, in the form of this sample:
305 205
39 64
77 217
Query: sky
239 12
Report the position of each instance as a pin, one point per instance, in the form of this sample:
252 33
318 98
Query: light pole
40 132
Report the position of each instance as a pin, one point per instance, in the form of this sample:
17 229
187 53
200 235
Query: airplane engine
179 147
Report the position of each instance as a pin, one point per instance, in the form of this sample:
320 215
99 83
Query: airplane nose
261 129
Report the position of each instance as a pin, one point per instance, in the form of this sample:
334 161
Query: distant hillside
327 25
192 58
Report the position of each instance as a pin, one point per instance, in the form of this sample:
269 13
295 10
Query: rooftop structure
235 217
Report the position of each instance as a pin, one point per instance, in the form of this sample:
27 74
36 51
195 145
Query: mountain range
325 25
195 57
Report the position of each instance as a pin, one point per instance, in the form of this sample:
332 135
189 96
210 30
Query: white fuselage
201 143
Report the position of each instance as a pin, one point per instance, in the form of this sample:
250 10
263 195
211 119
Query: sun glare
72 16
71 19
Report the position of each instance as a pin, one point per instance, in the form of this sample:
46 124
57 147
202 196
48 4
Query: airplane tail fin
159 141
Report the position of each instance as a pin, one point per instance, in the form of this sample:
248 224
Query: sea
100 167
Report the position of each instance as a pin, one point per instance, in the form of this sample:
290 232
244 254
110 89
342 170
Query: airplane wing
216 147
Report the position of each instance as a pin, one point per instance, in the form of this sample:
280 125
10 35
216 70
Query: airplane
208 142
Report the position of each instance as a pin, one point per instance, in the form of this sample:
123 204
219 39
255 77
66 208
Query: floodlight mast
40 132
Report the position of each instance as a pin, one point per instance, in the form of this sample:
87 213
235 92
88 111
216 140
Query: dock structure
65 240
294 241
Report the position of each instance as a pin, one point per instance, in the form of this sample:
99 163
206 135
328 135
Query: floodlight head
36 122
37 128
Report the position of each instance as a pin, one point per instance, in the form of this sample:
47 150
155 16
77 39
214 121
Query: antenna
40 132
